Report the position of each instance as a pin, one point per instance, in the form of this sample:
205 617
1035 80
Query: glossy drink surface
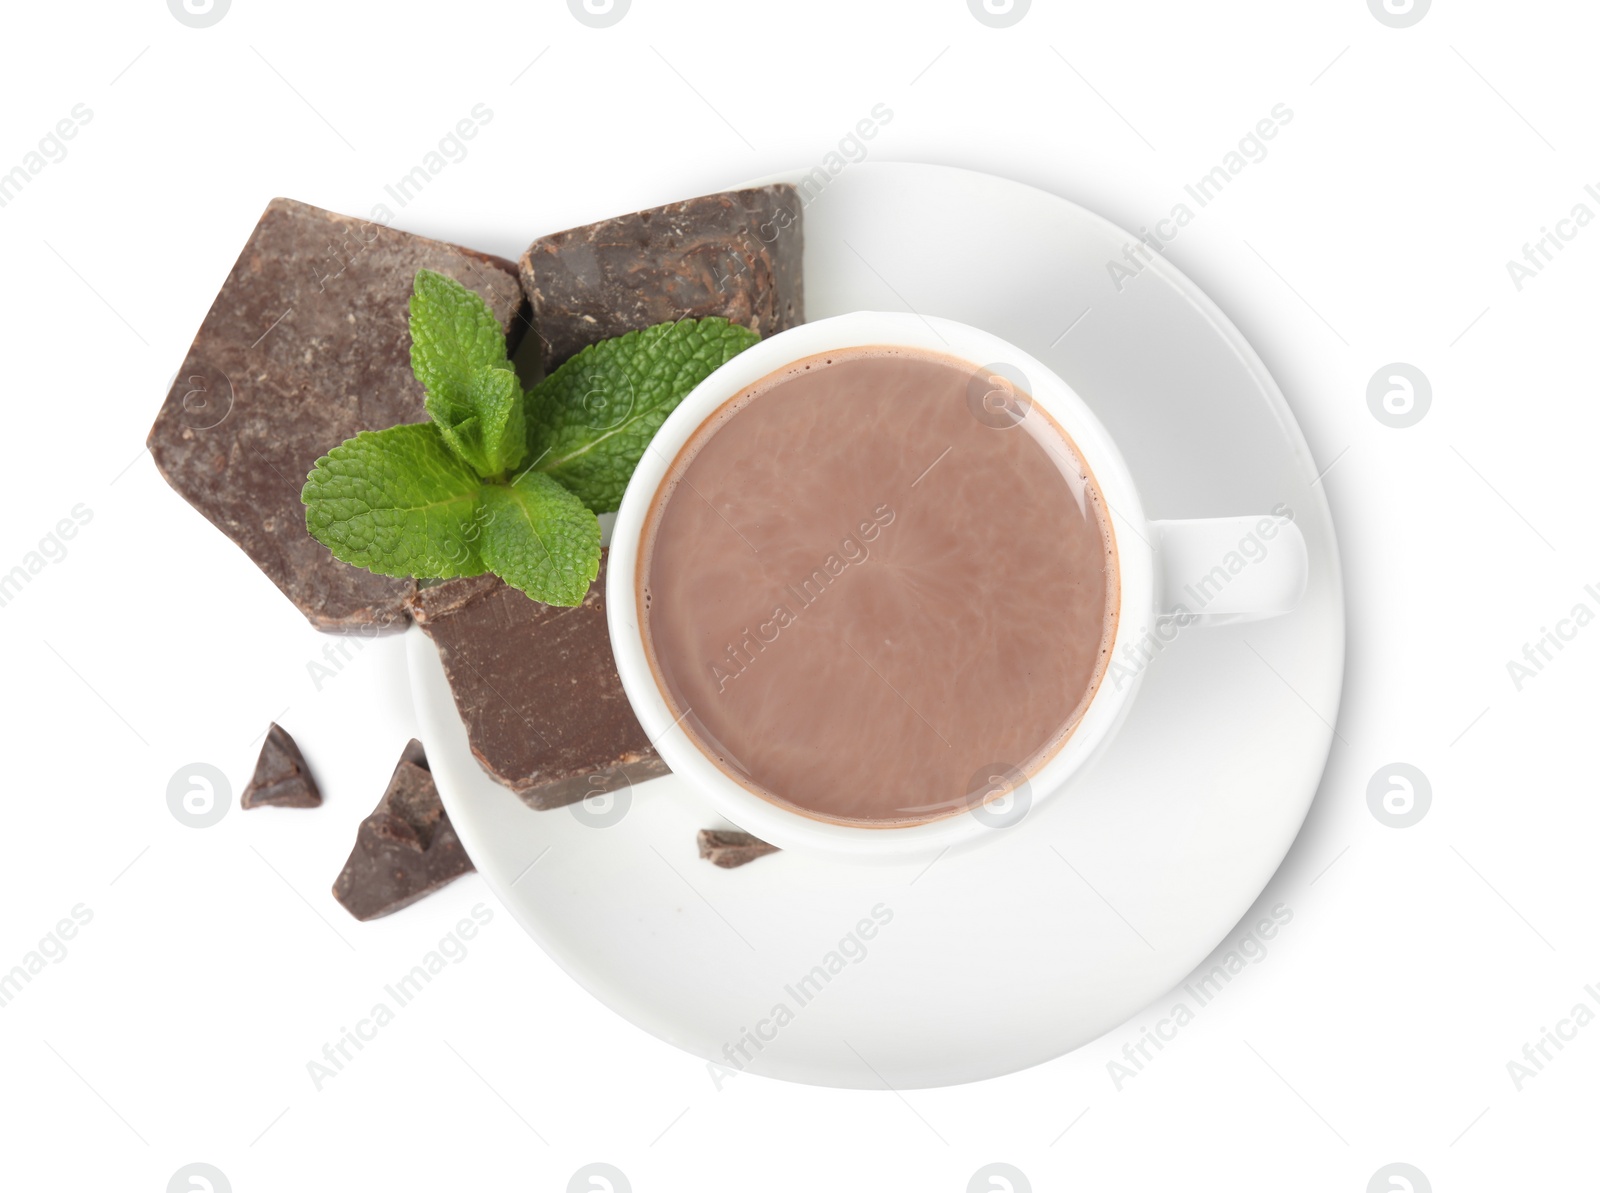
879 586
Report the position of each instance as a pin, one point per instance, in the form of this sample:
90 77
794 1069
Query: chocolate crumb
406 849
282 779
729 847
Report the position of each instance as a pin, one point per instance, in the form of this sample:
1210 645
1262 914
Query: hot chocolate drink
878 586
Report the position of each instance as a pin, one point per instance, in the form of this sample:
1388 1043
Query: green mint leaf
397 502
497 400
466 441
453 335
458 353
537 536
590 420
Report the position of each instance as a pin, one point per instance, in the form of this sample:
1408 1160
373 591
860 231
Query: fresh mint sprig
501 479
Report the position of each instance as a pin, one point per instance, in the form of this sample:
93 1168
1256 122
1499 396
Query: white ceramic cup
1172 575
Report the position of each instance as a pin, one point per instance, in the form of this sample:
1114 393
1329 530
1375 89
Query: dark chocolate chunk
406 849
734 254
305 345
282 779
538 689
729 848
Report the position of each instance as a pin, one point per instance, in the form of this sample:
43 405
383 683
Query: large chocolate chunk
282 779
406 849
306 344
538 689
734 254
729 848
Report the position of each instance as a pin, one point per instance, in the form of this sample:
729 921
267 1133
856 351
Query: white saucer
1029 945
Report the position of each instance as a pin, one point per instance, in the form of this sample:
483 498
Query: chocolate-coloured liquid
873 599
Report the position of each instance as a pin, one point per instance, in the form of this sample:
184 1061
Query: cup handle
1220 571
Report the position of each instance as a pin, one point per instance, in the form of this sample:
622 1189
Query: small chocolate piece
729 848
306 344
406 849
538 689
281 779
734 254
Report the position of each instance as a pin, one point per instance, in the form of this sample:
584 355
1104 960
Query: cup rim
753 813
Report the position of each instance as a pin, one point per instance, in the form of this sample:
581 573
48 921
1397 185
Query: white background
1419 961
